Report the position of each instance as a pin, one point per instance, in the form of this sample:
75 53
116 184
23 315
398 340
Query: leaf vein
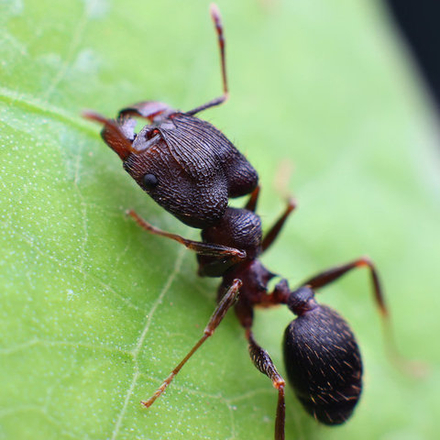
137 349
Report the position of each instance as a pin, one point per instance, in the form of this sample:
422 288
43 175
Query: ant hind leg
265 365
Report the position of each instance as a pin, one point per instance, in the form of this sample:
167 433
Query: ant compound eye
149 181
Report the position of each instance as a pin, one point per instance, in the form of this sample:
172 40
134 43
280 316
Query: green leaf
95 312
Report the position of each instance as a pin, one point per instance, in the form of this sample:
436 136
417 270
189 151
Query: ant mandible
191 169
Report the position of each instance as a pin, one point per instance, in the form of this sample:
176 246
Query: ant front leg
217 19
264 363
228 300
207 249
146 109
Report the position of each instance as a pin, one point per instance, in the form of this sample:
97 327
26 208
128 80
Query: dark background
419 25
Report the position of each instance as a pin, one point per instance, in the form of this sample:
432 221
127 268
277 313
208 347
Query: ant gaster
191 169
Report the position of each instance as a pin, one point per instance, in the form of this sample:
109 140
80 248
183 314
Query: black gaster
323 364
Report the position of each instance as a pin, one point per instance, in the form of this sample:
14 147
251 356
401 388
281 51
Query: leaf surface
95 312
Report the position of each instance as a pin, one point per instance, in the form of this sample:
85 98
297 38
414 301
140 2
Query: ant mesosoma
191 169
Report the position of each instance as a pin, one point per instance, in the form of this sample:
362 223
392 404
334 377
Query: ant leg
273 232
328 276
264 363
251 205
217 19
413 368
223 306
208 249
145 109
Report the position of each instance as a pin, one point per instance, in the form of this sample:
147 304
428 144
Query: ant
191 169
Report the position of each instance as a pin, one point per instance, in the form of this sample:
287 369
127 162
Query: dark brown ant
191 169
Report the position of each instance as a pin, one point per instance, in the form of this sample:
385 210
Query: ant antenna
217 19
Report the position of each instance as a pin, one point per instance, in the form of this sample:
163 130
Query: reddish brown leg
264 363
145 109
216 17
251 205
327 277
208 249
273 232
413 368
223 306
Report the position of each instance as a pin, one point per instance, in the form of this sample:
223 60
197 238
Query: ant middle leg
228 300
273 232
251 204
208 249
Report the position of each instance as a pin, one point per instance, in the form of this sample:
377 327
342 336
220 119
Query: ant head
301 300
190 186
194 200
